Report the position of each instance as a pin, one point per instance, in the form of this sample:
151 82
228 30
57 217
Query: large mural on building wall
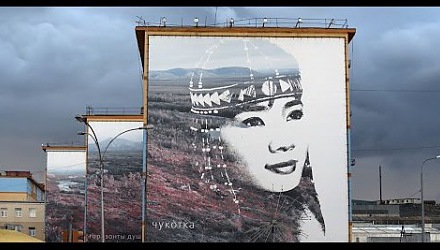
120 144
250 139
65 191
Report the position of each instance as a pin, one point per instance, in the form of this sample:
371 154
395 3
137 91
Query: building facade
65 189
226 87
22 203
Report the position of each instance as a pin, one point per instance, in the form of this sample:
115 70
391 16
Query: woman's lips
286 167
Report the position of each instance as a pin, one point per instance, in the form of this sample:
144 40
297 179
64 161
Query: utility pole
380 184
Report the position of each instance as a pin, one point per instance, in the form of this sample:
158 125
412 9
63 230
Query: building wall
65 181
19 191
322 60
36 193
26 221
13 196
15 188
13 184
121 148
376 210
403 201
372 232
435 237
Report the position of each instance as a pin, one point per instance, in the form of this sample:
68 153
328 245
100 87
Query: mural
65 193
250 140
121 153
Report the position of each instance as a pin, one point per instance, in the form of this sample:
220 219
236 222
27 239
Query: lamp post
101 155
101 169
85 208
144 177
421 195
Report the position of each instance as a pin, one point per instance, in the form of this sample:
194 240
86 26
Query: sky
56 61
214 52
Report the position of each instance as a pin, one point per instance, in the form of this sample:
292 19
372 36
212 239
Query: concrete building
371 232
394 220
22 203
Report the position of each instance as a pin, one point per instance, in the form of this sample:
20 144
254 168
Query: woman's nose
273 148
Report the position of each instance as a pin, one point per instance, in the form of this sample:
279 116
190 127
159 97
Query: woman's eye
253 121
295 115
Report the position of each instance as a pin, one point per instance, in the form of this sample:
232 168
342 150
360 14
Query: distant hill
176 73
117 144
186 73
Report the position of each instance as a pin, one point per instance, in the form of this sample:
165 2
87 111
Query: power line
397 149
395 90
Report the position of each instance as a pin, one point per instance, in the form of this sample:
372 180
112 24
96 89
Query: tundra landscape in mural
122 158
65 181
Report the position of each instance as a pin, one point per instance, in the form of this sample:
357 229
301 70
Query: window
18 212
18 228
15 227
32 232
32 212
3 212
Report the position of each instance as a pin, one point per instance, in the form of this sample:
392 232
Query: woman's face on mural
270 141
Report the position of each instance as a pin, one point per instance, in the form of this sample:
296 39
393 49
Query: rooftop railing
254 22
114 111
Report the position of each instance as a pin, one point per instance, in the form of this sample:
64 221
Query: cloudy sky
56 61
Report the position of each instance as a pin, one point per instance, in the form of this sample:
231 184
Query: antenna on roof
331 22
141 21
215 16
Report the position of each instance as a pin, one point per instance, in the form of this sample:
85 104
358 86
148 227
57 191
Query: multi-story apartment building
22 203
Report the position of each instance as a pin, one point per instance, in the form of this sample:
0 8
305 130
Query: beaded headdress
213 90
210 100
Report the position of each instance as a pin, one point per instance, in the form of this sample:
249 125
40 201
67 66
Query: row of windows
18 212
19 228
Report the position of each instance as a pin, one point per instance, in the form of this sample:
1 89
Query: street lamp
421 195
144 178
101 169
101 161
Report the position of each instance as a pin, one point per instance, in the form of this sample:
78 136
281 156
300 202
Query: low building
396 220
22 204
371 232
